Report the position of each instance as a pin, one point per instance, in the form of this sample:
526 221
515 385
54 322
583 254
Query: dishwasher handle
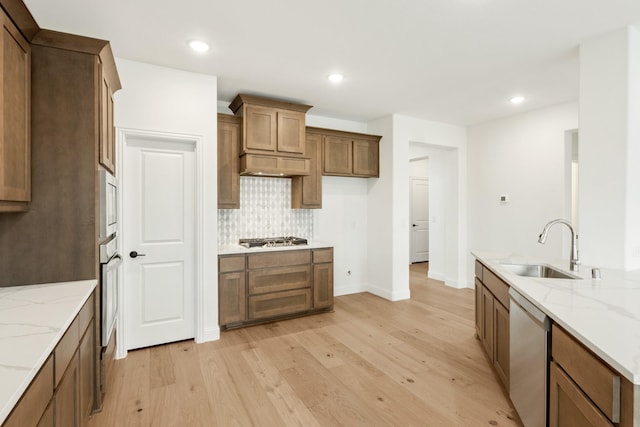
530 309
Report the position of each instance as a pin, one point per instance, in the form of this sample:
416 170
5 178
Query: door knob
414 225
135 254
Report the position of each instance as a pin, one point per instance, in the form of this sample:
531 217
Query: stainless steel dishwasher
529 332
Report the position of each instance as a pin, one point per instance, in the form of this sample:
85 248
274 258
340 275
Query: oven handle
114 262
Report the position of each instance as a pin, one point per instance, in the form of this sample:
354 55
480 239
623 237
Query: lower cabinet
265 286
492 320
67 397
583 389
61 394
322 278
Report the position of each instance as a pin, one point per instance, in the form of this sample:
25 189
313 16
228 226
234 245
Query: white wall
389 204
343 218
524 157
609 150
167 100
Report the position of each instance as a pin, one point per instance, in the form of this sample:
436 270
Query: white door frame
123 136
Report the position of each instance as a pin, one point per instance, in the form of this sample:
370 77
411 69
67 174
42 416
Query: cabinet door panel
228 165
322 285
487 322
15 140
306 191
87 359
107 134
479 315
337 156
365 158
260 128
569 406
501 342
291 132
66 401
232 298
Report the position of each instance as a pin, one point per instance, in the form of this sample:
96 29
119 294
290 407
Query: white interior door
159 211
419 220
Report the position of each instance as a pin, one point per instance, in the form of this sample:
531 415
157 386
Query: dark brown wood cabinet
265 286
306 191
492 319
348 153
67 396
272 136
231 289
228 162
323 278
337 154
15 124
583 389
107 153
270 126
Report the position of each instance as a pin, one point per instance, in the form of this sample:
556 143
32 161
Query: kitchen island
597 319
33 321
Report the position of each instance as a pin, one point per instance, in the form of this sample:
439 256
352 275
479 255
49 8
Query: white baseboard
388 295
348 290
210 334
436 276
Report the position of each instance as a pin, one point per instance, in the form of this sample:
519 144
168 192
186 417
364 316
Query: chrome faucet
574 261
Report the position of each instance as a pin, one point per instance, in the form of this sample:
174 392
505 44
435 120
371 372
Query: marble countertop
237 249
604 314
33 318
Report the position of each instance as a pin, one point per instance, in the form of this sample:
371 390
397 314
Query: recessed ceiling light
519 99
335 77
199 46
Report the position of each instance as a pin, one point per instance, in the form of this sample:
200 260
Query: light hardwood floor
370 363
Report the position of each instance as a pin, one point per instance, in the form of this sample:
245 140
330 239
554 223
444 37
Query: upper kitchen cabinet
15 125
107 155
228 162
98 53
270 126
306 191
349 153
67 74
273 136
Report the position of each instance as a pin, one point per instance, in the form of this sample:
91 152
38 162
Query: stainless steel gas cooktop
269 242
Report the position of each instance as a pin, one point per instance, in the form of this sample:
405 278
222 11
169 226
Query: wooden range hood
272 136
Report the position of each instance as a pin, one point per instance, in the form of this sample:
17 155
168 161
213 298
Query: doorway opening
419 209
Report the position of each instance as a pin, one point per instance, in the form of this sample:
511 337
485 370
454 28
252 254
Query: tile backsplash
265 211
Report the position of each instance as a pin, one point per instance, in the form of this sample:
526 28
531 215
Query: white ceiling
455 61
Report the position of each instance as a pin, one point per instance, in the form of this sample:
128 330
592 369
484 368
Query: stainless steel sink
538 270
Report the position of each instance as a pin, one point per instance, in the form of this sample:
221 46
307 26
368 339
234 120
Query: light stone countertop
603 314
237 249
33 319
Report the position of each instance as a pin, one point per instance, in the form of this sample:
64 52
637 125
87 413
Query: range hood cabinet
275 166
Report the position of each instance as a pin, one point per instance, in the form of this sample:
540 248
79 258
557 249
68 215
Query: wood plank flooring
370 363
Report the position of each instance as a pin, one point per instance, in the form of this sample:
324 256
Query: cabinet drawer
231 263
497 287
65 349
279 279
322 255
34 401
594 377
479 270
279 303
278 259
